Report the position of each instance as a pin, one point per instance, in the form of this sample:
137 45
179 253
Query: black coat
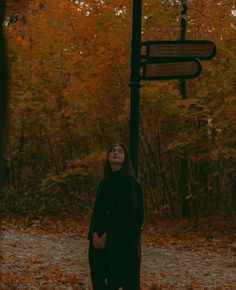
118 210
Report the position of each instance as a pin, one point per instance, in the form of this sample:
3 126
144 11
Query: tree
3 102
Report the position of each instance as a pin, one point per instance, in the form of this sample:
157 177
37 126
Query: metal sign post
135 83
164 60
183 23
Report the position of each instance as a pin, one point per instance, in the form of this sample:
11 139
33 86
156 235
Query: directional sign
171 68
202 49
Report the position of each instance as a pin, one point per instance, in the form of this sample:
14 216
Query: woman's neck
115 167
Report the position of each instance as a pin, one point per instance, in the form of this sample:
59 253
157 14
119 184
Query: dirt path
43 261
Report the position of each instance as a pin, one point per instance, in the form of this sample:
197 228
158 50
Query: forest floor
175 255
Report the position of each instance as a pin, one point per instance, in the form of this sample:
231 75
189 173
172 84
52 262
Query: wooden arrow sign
171 68
201 49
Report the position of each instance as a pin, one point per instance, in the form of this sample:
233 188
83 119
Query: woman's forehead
117 146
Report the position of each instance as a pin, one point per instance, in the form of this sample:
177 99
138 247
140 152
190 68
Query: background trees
69 74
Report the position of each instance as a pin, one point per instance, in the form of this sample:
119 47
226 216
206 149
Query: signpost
163 60
168 69
168 60
135 83
201 49
183 24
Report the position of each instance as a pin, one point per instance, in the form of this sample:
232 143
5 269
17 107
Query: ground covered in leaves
51 254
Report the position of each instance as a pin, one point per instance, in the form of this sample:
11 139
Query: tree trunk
3 103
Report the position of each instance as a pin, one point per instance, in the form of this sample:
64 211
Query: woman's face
117 156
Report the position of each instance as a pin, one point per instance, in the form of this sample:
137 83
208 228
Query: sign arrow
171 68
201 49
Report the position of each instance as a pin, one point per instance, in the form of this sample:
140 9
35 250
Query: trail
44 261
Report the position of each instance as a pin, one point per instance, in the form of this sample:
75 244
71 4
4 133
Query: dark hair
127 168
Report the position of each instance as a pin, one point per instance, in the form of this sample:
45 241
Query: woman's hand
103 240
99 242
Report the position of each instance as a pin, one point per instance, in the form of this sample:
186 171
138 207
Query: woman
115 229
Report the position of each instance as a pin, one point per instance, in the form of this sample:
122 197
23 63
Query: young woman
115 229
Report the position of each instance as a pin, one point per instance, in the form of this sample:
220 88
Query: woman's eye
117 151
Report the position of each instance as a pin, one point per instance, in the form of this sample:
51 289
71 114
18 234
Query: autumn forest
69 99
65 97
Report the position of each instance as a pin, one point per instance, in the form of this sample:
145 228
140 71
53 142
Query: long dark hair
127 168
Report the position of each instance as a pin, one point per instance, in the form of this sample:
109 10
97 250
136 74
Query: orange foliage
69 72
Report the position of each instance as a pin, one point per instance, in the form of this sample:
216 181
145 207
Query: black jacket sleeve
97 224
140 206
138 201
136 215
